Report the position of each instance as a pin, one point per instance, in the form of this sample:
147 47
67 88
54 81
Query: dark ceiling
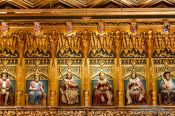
59 4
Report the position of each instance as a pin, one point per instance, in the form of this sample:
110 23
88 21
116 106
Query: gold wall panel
75 41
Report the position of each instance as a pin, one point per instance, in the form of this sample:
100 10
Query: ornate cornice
89 12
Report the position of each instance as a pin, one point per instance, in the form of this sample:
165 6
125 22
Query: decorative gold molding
88 12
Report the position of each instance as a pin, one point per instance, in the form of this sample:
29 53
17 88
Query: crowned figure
36 90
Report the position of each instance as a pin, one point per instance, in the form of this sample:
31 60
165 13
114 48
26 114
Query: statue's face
53 32
3 23
101 76
133 75
167 76
69 75
37 78
4 76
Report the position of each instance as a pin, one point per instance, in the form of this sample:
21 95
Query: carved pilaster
19 95
151 72
53 83
87 84
120 86
86 100
19 85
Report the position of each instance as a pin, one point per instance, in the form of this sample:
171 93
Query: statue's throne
160 99
44 99
135 99
170 101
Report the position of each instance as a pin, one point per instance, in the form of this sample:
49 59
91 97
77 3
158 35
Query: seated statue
103 91
69 90
5 89
167 89
36 90
135 92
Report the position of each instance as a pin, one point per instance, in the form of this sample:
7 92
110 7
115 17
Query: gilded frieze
163 45
133 45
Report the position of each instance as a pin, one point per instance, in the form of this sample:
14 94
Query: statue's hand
42 90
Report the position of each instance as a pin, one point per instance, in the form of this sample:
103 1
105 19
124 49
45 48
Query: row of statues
8 41
47 44
105 41
162 41
102 90
95 41
130 41
65 42
35 94
32 41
